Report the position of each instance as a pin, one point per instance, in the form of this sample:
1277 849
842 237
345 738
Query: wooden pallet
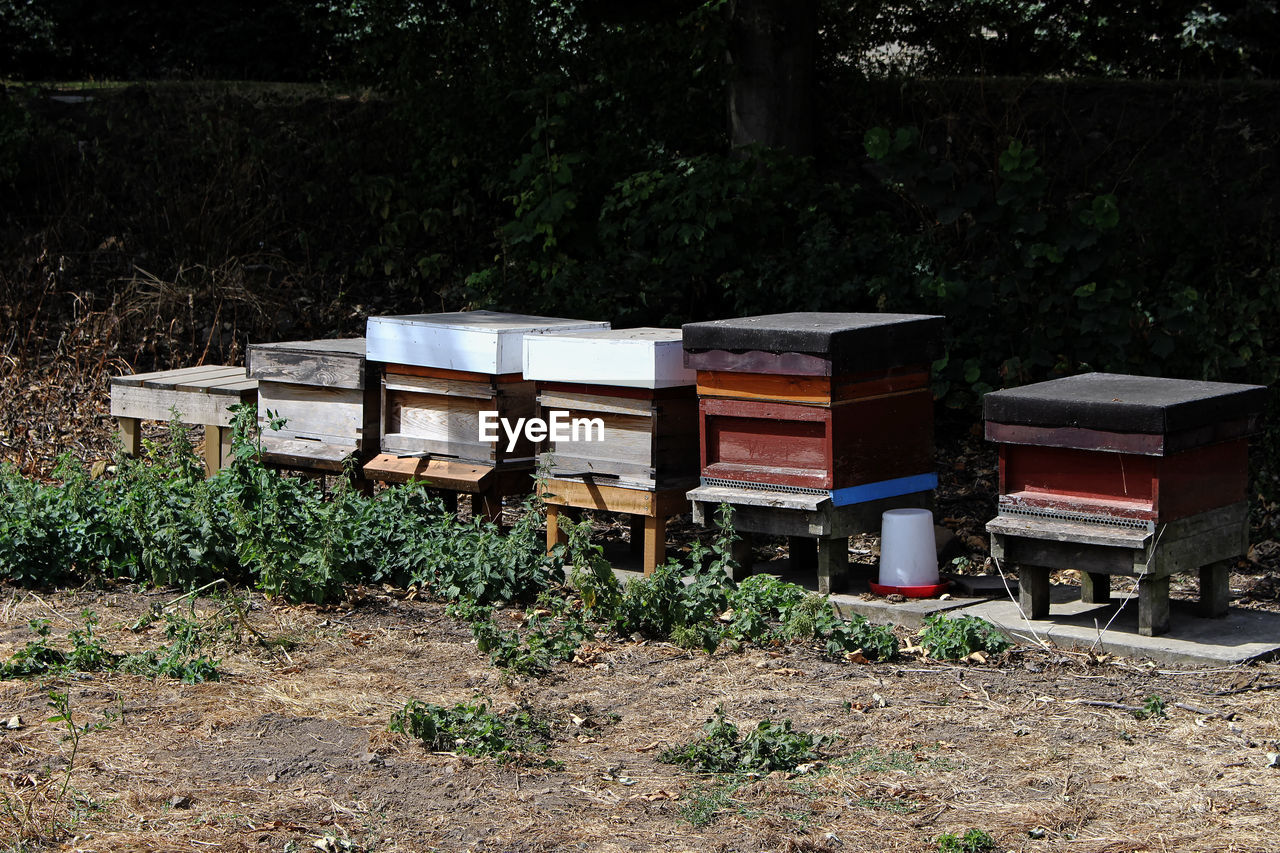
200 395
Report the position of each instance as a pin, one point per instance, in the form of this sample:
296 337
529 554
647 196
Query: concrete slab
1241 635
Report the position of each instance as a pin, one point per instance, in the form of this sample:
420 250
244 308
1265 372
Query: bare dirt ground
292 745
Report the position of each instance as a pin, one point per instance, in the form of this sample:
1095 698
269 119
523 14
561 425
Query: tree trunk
771 88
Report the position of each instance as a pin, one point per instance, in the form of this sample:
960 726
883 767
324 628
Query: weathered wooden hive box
835 403
440 372
1123 475
627 402
325 393
1123 451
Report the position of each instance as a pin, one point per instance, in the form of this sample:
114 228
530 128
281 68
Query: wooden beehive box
442 371
634 384
1122 450
817 402
324 391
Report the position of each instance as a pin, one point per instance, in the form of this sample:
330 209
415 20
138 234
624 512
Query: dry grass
293 744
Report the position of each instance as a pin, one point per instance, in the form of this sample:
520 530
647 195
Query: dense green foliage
723 749
947 638
472 729
160 521
972 841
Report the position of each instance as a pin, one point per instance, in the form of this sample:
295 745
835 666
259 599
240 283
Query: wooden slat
298 453
813 390
334 415
327 363
443 387
443 473
197 382
458 375
612 498
756 361
154 404
593 403
167 377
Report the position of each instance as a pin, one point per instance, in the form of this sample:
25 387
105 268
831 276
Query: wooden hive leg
1095 587
224 446
130 431
833 564
1215 588
655 542
212 449
554 534
1033 591
449 499
740 551
803 551
1153 606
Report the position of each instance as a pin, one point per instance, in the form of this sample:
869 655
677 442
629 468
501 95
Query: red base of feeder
931 591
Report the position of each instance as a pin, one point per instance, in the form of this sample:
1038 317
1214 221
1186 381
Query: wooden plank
1095 587
833 564
813 390
453 422
326 364
1215 588
757 361
1106 507
441 473
139 379
443 387
1076 438
1202 478
1153 606
1033 591
602 497
212 450
655 542
195 381
334 415
1079 532
1085 557
299 453
864 441
154 405
401 370
591 404
130 432
1078 473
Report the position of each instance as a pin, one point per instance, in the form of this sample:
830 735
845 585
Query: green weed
952 639
722 749
472 729
973 841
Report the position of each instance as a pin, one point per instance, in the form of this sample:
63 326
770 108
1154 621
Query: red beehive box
818 402
1123 447
1131 475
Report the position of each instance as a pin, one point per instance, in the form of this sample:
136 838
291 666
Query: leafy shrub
721 749
472 729
953 639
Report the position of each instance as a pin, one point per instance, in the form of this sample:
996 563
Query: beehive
631 418
324 392
812 424
817 402
1115 474
636 396
439 373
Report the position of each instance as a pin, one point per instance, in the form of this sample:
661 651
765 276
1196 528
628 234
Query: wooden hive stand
323 391
201 396
629 412
812 424
439 374
1111 474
